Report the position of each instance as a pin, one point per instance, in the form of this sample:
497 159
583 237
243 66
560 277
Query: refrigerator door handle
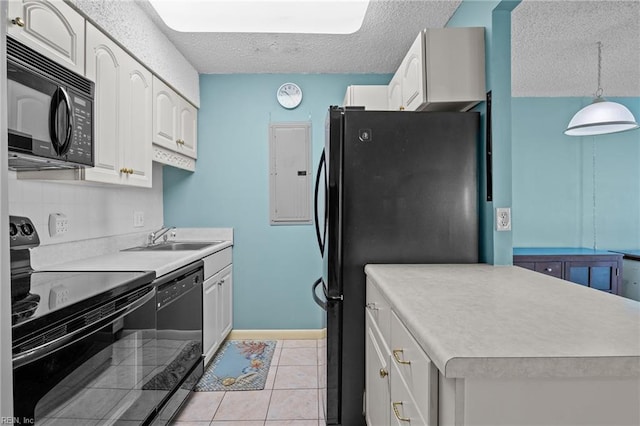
320 238
319 302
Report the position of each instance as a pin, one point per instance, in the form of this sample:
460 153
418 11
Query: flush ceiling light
601 116
263 16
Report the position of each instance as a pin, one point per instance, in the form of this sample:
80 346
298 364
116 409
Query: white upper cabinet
394 91
371 97
174 121
123 116
412 78
50 27
442 71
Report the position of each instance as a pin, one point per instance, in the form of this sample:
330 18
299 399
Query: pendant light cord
599 91
595 229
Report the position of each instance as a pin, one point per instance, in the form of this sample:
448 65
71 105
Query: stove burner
24 308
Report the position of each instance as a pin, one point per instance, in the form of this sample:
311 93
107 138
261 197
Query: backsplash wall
92 211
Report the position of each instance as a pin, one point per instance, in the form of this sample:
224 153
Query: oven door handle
33 354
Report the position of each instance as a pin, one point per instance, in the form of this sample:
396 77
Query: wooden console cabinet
599 269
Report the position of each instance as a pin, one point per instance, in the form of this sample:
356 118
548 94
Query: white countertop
505 321
162 262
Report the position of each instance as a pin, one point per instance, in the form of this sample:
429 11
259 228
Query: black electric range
76 335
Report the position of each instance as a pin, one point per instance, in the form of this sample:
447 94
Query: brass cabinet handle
383 373
126 171
396 355
401 108
130 171
371 306
397 412
18 21
123 170
180 142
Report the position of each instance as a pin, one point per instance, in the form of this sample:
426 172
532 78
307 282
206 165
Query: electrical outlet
138 219
58 224
503 219
58 296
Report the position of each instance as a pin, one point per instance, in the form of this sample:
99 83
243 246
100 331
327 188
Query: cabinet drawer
404 410
216 262
417 370
553 269
379 308
376 375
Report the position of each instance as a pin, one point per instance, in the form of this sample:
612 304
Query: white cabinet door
187 129
225 307
165 113
372 97
50 27
413 78
174 120
123 88
136 110
377 395
104 67
394 91
210 326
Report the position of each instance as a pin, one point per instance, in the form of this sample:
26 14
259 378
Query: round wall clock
289 95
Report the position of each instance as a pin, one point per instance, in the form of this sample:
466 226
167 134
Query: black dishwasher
179 337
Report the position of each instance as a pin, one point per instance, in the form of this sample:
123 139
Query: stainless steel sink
176 246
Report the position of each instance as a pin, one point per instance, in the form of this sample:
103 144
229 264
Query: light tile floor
293 394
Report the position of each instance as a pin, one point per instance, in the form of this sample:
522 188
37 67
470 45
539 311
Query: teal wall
553 179
495 16
274 266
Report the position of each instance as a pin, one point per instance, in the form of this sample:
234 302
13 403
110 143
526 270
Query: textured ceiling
554 51
389 28
554 48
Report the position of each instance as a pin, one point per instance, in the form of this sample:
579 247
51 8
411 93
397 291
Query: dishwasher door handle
34 354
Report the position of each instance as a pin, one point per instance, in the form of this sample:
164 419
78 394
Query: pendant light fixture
601 116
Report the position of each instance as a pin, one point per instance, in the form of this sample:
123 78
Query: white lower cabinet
217 301
401 381
377 375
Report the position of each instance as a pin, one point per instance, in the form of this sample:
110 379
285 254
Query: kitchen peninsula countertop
484 321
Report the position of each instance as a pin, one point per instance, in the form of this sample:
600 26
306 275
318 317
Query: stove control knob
13 230
26 229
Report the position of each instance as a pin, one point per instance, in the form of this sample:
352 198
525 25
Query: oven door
99 374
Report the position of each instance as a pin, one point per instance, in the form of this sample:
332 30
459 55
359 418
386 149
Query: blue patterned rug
238 365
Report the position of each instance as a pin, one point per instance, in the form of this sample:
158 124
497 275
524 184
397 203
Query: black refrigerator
398 187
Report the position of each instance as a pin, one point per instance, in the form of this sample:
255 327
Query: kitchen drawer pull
396 355
548 269
397 412
383 373
372 306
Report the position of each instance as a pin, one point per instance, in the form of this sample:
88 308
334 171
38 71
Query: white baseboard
278 334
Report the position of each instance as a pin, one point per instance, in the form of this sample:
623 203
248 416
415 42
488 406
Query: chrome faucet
153 237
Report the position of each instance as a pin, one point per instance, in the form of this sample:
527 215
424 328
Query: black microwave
50 112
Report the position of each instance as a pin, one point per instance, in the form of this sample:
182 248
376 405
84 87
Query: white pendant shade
601 117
